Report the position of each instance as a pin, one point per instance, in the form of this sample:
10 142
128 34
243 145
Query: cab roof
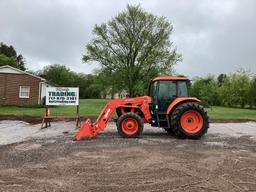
169 78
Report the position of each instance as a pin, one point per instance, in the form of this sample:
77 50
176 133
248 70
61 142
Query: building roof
13 70
169 78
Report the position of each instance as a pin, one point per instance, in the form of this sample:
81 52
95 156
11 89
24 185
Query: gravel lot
32 159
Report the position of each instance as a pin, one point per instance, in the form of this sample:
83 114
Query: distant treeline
234 90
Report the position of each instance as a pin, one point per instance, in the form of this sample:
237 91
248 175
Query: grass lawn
88 107
217 112
92 107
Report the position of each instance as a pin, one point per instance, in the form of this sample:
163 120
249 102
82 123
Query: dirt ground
48 160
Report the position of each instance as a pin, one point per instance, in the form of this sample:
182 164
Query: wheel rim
130 126
191 121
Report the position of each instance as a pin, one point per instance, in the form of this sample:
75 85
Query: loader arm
90 129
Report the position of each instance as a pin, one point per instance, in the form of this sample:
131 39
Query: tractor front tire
130 125
189 120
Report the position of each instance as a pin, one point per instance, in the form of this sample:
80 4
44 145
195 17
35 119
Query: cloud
213 36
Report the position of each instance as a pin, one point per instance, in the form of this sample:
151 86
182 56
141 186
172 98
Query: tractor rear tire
130 125
189 120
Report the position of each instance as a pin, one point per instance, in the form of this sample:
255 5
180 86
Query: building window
24 91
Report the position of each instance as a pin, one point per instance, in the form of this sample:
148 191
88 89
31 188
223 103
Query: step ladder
163 120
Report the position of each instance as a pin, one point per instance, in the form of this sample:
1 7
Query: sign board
62 96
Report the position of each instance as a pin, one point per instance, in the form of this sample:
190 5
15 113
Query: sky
213 36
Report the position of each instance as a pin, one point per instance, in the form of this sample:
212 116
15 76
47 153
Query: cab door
167 92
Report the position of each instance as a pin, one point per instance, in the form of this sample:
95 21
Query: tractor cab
163 91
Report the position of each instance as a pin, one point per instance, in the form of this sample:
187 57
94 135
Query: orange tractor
167 106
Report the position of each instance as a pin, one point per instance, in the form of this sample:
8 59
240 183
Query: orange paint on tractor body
169 78
91 129
180 100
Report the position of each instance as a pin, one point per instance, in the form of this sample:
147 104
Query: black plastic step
163 124
161 113
163 120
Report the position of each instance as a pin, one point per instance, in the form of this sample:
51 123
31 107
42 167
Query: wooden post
48 120
78 120
44 120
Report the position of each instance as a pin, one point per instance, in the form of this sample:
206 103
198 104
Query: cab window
182 89
167 89
153 89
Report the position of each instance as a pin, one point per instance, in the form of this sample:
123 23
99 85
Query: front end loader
167 106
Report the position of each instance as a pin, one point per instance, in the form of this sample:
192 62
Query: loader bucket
86 131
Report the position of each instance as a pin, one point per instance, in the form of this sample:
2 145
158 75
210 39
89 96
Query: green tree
135 45
252 92
4 60
63 76
206 89
8 56
226 92
58 74
88 87
109 82
240 87
235 89
221 79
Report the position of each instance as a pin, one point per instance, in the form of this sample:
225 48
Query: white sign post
62 96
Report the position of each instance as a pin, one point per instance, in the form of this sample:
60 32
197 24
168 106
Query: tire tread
134 116
175 120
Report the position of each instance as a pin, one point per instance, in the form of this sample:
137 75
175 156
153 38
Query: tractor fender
180 100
